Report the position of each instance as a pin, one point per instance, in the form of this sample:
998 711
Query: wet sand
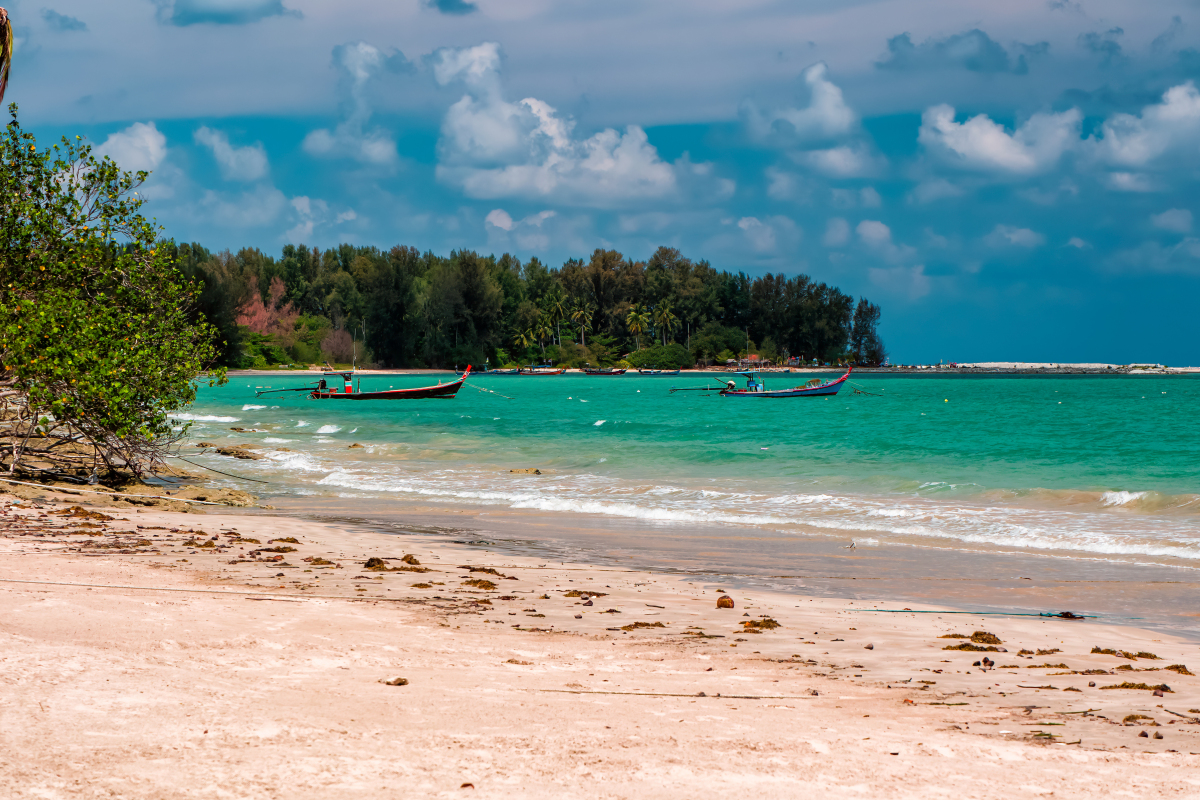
160 654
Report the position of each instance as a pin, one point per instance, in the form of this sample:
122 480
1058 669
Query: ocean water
1103 467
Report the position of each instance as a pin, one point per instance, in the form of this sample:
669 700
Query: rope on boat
480 388
210 469
862 391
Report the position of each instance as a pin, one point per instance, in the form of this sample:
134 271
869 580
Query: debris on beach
1106 651
581 593
724 601
634 626
376 564
479 583
396 682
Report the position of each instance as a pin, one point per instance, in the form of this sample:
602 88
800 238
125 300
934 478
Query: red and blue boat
756 388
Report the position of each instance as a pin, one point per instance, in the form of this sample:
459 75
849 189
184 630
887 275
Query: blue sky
1009 181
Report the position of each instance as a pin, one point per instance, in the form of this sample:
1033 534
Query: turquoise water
1098 466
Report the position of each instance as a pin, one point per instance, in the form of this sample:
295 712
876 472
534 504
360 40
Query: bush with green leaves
98 342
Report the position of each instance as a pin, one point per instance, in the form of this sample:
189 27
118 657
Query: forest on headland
403 308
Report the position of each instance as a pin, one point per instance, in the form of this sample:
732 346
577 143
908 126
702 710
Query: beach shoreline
155 667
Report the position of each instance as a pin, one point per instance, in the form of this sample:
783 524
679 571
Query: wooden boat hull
543 372
443 391
603 372
658 372
824 390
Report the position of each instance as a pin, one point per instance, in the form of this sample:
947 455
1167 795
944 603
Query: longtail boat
602 371
544 369
325 391
656 371
755 388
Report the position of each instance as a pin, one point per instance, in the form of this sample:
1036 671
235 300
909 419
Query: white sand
134 674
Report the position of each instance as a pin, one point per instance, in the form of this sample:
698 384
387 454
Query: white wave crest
598 423
329 429
273 440
301 424
204 418
1120 498
251 407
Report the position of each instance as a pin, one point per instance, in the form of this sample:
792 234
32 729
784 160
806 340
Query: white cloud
236 163
844 161
255 208
1177 220
528 233
870 198
1151 256
1010 236
934 189
908 282
139 147
1130 182
1135 141
825 117
783 185
769 235
499 218
837 232
1078 243
494 148
981 144
878 237
350 139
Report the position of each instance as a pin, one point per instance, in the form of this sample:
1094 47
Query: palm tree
582 315
6 48
558 312
523 339
665 319
542 331
638 320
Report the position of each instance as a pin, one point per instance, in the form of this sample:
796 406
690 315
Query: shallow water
1075 467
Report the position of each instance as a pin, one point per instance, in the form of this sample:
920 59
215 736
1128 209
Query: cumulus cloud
62 22
219 12
1010 236
1173 124
934 189
827 116
877 237
1104 45
493 148
782 185
1130 182
1177 220
139 147
844 161
837 232
529 233
1181 258
236 163
982 144
973 50
1077 243
359 62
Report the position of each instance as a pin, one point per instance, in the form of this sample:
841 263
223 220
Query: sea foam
203 418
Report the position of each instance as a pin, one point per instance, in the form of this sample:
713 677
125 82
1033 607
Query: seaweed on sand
1162 687
637 625
955 636
479 583
760 625
1180 668
983 637
582 592
376 564
1108 651
972 647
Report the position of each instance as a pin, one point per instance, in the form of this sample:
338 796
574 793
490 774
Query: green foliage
673 356
99 333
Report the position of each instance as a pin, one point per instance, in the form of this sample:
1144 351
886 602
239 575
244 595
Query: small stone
588 603
1092 684
701 694
397 682
1158 693
279 575
579 616
814 692
724 601
976 664
1158 735
467 786
868 647
1144 735
356 444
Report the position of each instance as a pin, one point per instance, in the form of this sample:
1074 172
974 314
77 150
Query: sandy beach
153 653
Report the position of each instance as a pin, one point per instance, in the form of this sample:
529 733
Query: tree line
405 308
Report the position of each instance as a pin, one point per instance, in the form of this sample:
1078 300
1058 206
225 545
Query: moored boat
813 388
658 371
602 371
327 389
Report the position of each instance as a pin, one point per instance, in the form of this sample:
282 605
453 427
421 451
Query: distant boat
602 371
814 388
541 369
324 391
658 372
